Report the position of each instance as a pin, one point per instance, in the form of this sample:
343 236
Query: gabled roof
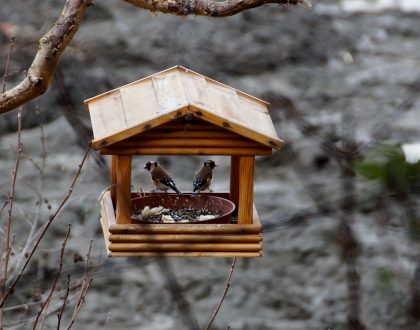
173 93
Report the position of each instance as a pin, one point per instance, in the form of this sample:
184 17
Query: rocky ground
329 62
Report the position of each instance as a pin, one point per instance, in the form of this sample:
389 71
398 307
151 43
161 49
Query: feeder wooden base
184 240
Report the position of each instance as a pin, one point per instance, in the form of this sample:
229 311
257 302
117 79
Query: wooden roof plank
139 102
169 91
173 93
130 131
102 110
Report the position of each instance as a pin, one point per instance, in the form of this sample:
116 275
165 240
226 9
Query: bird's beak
216 164
145 167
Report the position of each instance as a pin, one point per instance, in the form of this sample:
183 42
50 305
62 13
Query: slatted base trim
194 240
186 254
183 238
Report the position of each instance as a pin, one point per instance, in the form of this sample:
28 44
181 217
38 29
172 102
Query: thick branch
54 42
51 46
211 8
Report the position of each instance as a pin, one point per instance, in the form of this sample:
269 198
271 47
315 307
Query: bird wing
168 182
201 184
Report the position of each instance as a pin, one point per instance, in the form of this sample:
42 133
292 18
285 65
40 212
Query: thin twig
107 320
60 267
7 247
6 70
63 306
175 290
45 227
227 286
34 232
86 282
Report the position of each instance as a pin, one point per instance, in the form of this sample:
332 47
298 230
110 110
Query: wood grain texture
240 127
186 254
262 151
234 180
127 132
187 247
123 214
246 189
107 208
219 229
169 91
185 133
180 142
147 103
183 238
107 115
113 180
139 102
157 234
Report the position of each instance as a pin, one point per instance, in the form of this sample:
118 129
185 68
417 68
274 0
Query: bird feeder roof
172 94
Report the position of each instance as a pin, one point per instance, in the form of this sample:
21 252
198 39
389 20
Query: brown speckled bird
203 177
160 177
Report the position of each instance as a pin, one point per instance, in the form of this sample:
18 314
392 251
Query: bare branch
175 290
55 41
212 8
63 306
7 247
86 282
107 320
6 70
227 286
60 267
45 228
51 46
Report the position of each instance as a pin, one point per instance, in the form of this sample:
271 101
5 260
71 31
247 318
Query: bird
203 177
160 177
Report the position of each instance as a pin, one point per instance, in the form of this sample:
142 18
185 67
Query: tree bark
212 8
51 46
55 41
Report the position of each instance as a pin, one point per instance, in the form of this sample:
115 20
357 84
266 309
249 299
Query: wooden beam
180 142
246 189
186 254
113 171
183 238
234 180
123 187
186 247
262 151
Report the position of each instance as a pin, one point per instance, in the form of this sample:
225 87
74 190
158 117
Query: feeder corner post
123 189
234 180
246 189
113 173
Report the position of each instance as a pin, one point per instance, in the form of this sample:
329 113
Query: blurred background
338 204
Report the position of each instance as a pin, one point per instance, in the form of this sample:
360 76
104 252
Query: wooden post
246 189
123 189
113 188
234 180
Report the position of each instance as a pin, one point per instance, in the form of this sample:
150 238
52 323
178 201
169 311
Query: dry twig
45 228
86 282
7 246
6 71
63 306
227 286
60 267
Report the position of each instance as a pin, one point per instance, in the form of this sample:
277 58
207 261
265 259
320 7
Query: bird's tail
174 188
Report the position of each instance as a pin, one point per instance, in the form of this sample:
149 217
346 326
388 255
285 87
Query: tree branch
51 46
212 8
55 41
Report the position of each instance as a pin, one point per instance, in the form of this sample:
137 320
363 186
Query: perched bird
160 177
202 179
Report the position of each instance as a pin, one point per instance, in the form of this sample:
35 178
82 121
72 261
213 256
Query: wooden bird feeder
180 112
